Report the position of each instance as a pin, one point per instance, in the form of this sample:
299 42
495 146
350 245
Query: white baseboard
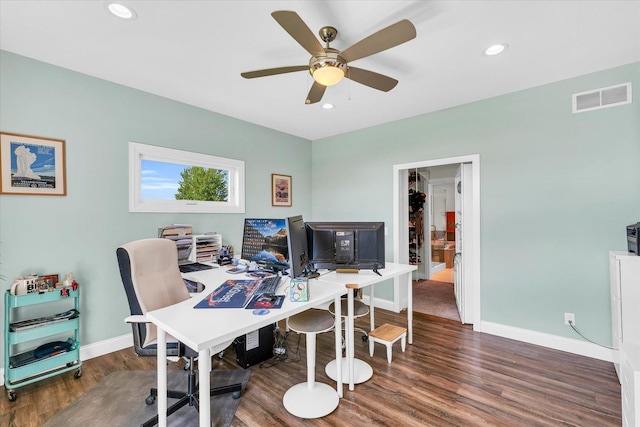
105 347
569 345
97 349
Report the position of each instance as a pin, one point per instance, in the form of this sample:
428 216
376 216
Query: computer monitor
346 245
264 241
299 249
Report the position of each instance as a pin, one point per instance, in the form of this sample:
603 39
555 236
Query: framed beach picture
32 165
280 190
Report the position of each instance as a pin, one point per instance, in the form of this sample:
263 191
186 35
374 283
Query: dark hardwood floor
450 376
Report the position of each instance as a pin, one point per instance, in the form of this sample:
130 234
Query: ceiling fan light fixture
328 69
328 75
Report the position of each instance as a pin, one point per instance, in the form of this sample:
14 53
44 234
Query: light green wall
80 232
557 190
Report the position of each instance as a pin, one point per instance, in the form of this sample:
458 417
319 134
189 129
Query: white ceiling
194 52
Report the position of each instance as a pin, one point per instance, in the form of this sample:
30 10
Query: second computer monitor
298 249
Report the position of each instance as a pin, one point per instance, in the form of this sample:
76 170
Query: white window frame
235 168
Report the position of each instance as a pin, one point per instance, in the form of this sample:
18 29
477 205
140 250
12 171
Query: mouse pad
260 301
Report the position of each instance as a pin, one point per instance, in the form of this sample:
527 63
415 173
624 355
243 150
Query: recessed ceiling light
327 106
121 11
496 49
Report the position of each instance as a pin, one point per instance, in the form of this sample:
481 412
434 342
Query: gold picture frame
32 165
280 190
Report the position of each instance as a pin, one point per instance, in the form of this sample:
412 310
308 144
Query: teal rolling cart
28 365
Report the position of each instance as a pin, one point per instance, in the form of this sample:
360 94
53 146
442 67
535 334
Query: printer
633 241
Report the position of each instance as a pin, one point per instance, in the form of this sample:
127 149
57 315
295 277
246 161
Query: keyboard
193 267
268 285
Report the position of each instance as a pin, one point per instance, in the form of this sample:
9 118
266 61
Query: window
167 180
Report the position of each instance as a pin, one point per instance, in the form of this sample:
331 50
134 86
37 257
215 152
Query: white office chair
152 280
311 399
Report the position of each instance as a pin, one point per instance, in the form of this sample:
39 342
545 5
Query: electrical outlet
569 317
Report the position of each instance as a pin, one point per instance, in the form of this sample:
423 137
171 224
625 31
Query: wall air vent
602 98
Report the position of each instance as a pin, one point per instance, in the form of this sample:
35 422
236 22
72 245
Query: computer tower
254 347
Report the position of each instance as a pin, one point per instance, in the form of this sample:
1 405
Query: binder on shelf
175 230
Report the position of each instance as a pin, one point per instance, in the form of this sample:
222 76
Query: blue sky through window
160 179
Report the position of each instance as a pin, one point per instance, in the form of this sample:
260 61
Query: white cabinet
616 308
625 311
630 383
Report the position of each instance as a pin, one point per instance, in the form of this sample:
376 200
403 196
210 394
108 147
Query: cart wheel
77 374
11 394
150 399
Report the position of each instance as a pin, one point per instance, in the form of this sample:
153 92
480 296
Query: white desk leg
349 333
204 378
338 335
410 307
371 310
162 377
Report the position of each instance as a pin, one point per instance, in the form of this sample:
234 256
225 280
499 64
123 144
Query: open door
469 229
463 225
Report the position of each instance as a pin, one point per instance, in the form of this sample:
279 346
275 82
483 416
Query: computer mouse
268 296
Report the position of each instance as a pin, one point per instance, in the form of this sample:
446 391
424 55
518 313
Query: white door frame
401 224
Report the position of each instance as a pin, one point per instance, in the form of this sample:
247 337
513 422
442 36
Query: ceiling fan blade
273 71
388 37
295 26
371 79
316 93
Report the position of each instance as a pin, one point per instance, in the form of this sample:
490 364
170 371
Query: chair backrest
151 279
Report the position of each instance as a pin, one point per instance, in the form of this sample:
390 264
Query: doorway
468 265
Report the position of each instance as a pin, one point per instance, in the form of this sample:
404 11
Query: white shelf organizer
205 247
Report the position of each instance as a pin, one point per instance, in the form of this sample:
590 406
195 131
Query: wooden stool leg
371 343
403 342
389 352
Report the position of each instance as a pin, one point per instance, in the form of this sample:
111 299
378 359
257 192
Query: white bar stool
311 399
362 371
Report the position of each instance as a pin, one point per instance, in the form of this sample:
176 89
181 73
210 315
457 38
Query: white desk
202 329
363 279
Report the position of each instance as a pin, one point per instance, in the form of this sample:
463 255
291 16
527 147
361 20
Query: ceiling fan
327 65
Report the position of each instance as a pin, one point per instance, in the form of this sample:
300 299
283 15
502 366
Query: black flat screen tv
346 245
